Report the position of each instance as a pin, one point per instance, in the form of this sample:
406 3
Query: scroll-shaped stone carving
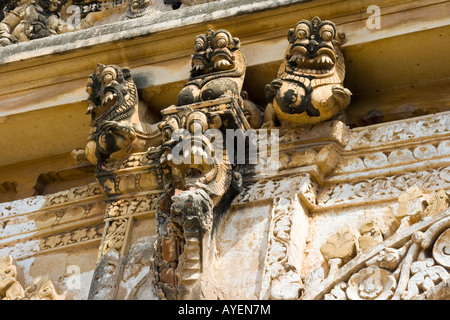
11 289
28 20
309 84
116 127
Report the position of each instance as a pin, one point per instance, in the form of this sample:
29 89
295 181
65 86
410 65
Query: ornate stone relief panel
11 289
25 20
53 221
411 264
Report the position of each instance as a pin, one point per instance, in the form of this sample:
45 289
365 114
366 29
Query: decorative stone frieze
26 20
335 212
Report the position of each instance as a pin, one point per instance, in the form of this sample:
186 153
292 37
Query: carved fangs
222 64
109 98
198 66
321 64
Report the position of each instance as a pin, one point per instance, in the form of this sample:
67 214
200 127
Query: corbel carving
199 176
116 128
120 144
309 84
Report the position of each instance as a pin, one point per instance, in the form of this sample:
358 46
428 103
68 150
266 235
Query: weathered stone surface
351 208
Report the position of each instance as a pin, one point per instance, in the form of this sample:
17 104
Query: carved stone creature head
309 85
112 103
313 49
193 159
214 52
138 5
108 90
218 68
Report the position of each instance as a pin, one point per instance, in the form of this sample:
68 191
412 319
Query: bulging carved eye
327 33
221 40
109 74
302 31
89 85
167 134
199 44
108 78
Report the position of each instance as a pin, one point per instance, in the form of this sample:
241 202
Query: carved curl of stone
11 289
309 84
32 19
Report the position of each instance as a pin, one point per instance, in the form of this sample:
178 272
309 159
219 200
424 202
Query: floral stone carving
411 264
309 84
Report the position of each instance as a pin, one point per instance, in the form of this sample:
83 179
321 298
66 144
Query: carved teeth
199 66
221 62
90 108
109 96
